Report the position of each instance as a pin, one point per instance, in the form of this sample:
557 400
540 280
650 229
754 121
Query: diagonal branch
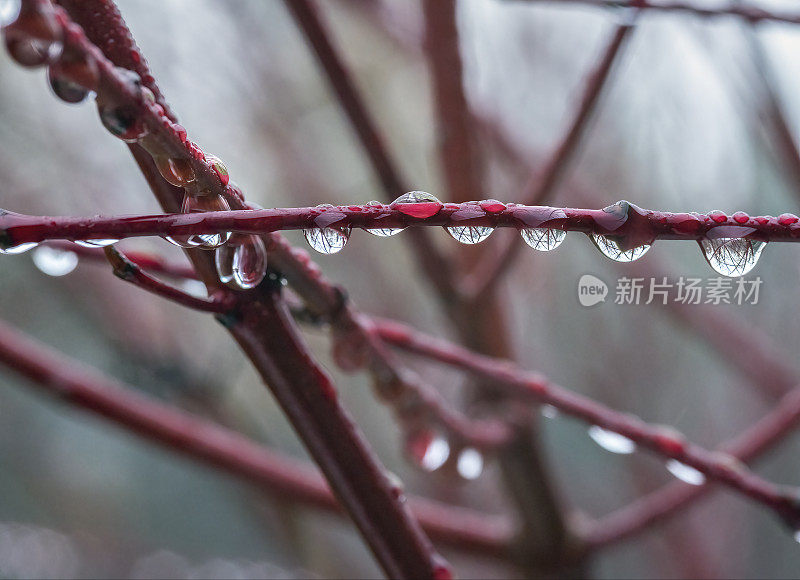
222 448
306 15
541 186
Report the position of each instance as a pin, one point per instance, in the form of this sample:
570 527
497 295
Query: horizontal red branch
662 440
215 445
636 225
749 13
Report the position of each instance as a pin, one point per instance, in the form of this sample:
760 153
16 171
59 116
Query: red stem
636 226
668 501
222 448
307 16
750 13
663 441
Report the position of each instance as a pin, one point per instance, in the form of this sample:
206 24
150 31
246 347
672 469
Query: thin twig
220 303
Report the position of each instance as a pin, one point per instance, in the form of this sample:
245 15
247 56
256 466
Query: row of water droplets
616 443
726 248
34 37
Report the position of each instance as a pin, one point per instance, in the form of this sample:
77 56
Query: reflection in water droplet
384 232
470 463
611 249
543 239
611 441
428 449
18 249
685 473
469 234
327 240
242 262
65 89
9 11
732 256
96 243
54 262
549 411
416 197
418 204
198 204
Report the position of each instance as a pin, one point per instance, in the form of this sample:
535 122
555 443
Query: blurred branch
750 13
222 448
664 441
653 509
306 15
542 186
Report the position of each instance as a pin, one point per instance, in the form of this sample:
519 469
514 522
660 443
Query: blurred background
685 125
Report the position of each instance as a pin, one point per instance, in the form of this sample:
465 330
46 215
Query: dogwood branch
665 441
751 14
632 225
222 448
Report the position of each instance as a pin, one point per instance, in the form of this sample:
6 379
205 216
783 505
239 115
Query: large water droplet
177 171
53 261
611 248
418 204
469 234
327 240
96 243
122 121
18 249
543 239
242 262
199 204
611 441
685 473
732 256
470 463
65 89
9 11
219 168
428 449
33 52
382 232
549 411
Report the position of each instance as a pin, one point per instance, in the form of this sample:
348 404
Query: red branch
669 500
663 441
626 222
220 303
749 13
307 16
542 185
222 448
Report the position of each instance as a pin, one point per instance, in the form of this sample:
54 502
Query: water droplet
53 261
96 243
33 52
382 232
469 234
685 473
470 463
176 171
611 248
219 168
428 449
198 204
327 240
543 239
492 206
418 204
122 121
65 89
9 10
242 262
18 249
549 411
732 256
796 536
611 441
740 217
787 219
717 216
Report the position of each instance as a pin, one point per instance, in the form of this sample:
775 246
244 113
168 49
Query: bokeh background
683 126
